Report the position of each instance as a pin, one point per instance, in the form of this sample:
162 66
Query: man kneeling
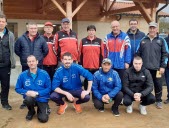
35 86
137 86
106 87
66 83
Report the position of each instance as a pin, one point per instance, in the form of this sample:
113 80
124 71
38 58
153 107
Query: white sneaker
129 108
143 109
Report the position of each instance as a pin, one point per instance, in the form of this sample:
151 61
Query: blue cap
65 20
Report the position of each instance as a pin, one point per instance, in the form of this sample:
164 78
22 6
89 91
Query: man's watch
37 94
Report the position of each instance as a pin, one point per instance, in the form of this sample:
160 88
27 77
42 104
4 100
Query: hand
69 97
107 97
84 93
162 70
104 99
31 93
126 65
137 96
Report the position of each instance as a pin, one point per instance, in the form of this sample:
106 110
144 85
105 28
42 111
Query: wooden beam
79 7
153 12
149 1
122 10
144 12
111 5
59 7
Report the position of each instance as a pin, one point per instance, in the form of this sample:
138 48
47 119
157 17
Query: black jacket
24 47
154 53
137 82
167 40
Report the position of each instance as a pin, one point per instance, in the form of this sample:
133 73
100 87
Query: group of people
124 67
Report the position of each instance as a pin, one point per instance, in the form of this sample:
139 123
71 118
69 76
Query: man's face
32 29
106 67
66 26
152 31
2 23
91 33
32 62
133 25
48 29
137 64
67 61
115 25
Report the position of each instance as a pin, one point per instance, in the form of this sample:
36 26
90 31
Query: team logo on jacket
39 82
110 79
143 42
73 75
119 40
158 41
27 82
65 79
143 76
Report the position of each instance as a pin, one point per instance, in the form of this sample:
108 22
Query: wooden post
153 12
69 10
1 6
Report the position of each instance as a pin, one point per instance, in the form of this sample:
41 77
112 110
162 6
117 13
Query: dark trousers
57 98
26 67
157 85
167 81
100 104
85 84
42 108
50 70
147 100
5 84
120 72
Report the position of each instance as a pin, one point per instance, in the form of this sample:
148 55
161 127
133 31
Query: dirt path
90 118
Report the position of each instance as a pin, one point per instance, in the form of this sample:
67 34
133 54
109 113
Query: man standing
137 86
66 83
66 41
31 43
154 52
118 48
167 71
91 52
35 86
7 60
50 61
106 87
135 36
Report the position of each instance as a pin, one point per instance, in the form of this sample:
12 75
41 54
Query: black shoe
101 109
22 106
30 115
7 106
166 101
115 111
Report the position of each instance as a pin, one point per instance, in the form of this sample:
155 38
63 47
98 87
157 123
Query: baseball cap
153 24
106 60
48 24
65 20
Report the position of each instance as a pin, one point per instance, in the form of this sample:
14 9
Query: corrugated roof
120 5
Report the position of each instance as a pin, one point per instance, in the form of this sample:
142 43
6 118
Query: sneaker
77 108
129 108
115 111
22 106
101 109
166 101
159 105
62 109
7 106
143 109
30 115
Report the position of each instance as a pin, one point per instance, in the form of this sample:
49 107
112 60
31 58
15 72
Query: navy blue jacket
69 78
106 83
40 84
134 41
153 52
24 47
167 40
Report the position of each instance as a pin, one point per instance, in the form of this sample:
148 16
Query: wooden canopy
87 10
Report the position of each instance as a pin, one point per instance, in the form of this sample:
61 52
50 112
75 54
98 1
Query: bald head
115 25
